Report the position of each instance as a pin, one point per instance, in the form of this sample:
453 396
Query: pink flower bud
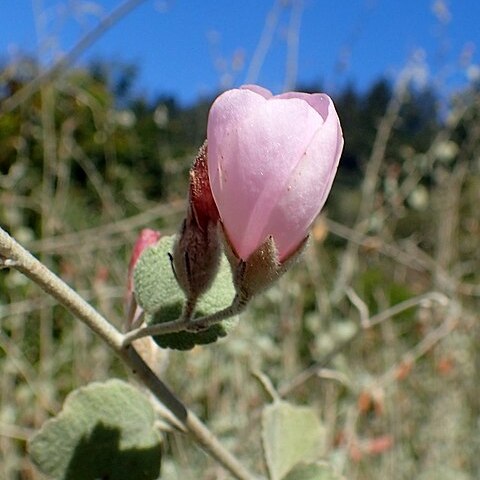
271 162
154 357
200 195
197 248
145 239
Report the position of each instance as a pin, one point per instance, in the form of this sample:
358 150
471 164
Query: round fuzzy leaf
158 293
105 430
154 283
291 435
312 471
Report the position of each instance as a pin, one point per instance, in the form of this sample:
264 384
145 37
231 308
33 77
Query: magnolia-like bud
271 162
145 239
197 248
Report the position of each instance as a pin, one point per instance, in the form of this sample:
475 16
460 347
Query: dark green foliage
361 114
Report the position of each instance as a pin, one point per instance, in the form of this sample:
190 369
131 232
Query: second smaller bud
197 248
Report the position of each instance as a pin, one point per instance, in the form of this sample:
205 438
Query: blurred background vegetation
377 327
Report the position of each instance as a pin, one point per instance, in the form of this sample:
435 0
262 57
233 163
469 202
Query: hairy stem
189 324
12 254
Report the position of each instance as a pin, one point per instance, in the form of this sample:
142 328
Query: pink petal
319 101
258 89
307 189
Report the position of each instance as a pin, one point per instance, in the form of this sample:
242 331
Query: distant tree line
134 141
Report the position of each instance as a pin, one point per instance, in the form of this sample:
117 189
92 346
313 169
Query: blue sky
192 48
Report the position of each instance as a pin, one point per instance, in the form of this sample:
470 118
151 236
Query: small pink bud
145 239
154 357
271 162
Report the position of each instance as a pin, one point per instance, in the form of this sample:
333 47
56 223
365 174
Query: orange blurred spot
372 244
320 230
355 453
102 273
364 402
372 446
403 370
378 445
445 365
368 401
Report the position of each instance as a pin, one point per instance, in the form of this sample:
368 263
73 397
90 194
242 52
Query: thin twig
34 304
266 38
123 226
438 297
54 286
16 432
267 385
23 367
68 59
293 44
426 345
361 307
369 185
311 371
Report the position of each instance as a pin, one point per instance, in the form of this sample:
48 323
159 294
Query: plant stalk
13 255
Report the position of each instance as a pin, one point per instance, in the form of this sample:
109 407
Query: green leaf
291 434
312 471
154 283
158 293
105 430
